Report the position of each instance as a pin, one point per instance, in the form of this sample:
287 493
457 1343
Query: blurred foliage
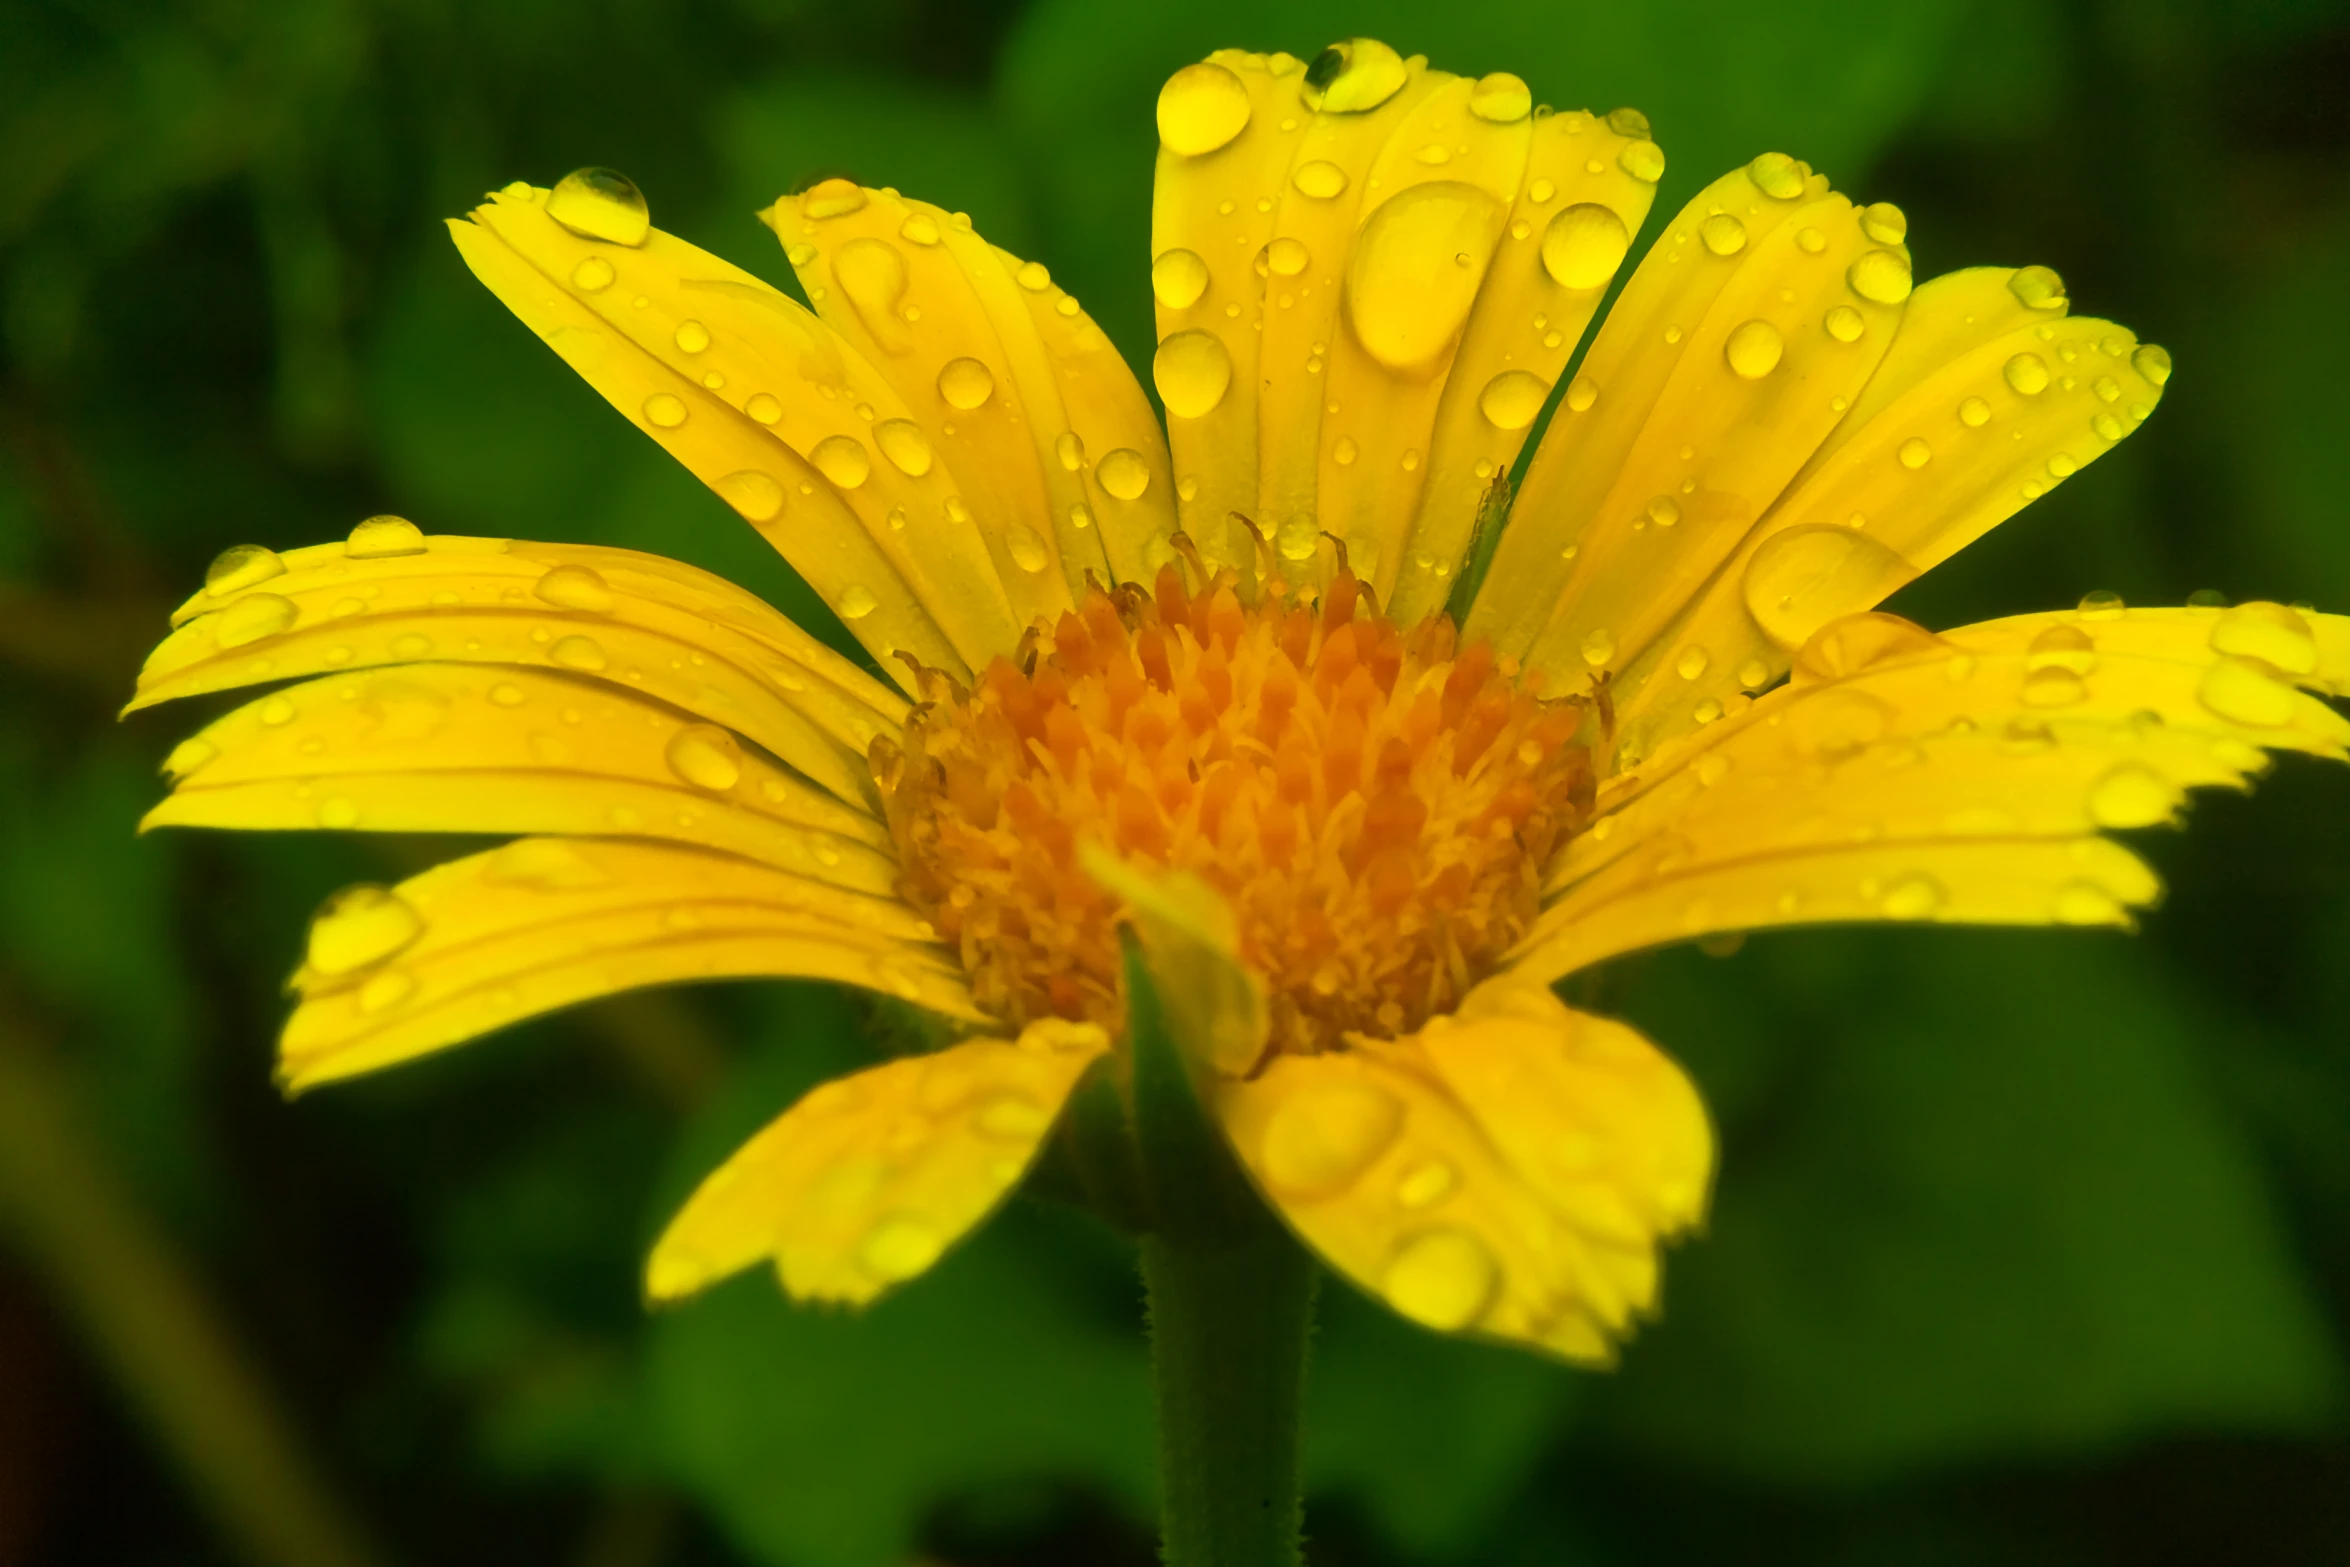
2028 1249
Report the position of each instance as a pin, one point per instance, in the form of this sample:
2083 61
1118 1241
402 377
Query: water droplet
691 337
1320 180
1192 371
1435 152
2027 373
1582 392
1599 645
2062 646
383 537
593 275
575 587
844 460
1028 548
1884 222
2272 633
601 204
239 567
2207 598
1202 107
507 694
1287 257
2152 362
253 617
1345 451
1914 453
1974 413
1541 191
1913 896
1123 474
1584 244
2037 288
901 1246
706 756
1069 448
1298 538
1512 399
1845 324
1754 349
1880 276
1664 511
1415 271
832 198
757 496
1691 663
189 755
361 926
1353 76
918 229
1501 98
856 602
904 444
764 408
2131 795
1035 276
664 411
1644 161
577 652
2086 903
1444 1279
1425 1185
1801 578
1723 234
277 711
1810 240
966 384
1178 278
2054 686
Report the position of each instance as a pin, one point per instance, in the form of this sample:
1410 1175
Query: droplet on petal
384 537
1201 108
1123 474
1443 1279
706 756
1584 244
572 586
1178 278
239 567
1512 399
601 204
360 926
1192 371
966 384
253 617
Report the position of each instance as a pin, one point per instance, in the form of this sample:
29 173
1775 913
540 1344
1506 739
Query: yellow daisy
1201 681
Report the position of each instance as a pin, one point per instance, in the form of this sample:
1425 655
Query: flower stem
1231 1309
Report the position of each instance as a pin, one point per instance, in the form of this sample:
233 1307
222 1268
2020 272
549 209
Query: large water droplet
1352 76
384 537
2026 373
899 1247
1974 413
856 602
239 567
904 444
1914 453
578 652
1884 222
2054 686
1321 180
919 229
1691 663
832 198
758 496
1192 371
843 459
575 587
1754 349
1802 578
1287 257
1582 392
1512 399
2131 795
1069 449
1880 276
1123 474
253 617
1027 547
2038 288
2269 632
664 411
2246 693
2153 362
1584 244
1501 98
1415 271
601 204
706 756
966 384
1845 324
1178 278
189 755
1598 646
1852 643
1444 1279
2062 646
1643 160
1202 107
1320 1140
1723 234
691 337
1777 176
360 926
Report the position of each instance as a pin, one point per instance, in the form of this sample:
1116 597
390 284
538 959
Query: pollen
1376 804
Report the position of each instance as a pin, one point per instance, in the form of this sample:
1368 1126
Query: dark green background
2029 1248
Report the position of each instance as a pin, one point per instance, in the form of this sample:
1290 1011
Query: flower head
1202 682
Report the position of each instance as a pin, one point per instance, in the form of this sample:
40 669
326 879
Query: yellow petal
869 1179
1962 778
1575 214
543 923
1984 404
1214 1004
658 626
824 502
1509 1172
1212 212
1732 354
470 748
928 303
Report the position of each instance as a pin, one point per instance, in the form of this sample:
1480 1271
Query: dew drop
1353 76
1319 1141
1201 108
1123 474
384 537
901 1246
1192 371
1345 451
1298 538
764 407
1974 413
1914 896
2027 373
1644 161
856 602
1287 257
1444 1279
2037 288
2131 795
664 410
1884 222
1777 175
1584 244
1880 276
706 756
1415 271
593 275
966 384
904 444
757 496
918 229
1321 180
1810 240
872 273
2061 646
2272 633
1845 324
1598 646
1501 98
844 460
1582 392
601 204
239 567
1512 399
189 755
2054 686
1754 349
575 587
1027 548
1664 511
1801 578
1178 278
2152 362
1691 663
691 337
1069 448
361 926
1540 191
1723 234
1914 453
832 198
253 617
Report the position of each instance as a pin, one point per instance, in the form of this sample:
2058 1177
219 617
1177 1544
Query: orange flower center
1377 805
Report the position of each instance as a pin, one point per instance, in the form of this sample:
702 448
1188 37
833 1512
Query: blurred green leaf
1989 1209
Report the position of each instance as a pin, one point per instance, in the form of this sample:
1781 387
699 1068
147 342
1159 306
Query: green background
2029 1248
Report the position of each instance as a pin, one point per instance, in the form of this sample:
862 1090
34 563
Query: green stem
1231 1309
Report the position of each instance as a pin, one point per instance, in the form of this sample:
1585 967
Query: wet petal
1508 1172
658 626
1736 348
473 748
544 923
1961 778
869 1179
763 404
1986 401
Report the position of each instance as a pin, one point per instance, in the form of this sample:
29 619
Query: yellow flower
1202 681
